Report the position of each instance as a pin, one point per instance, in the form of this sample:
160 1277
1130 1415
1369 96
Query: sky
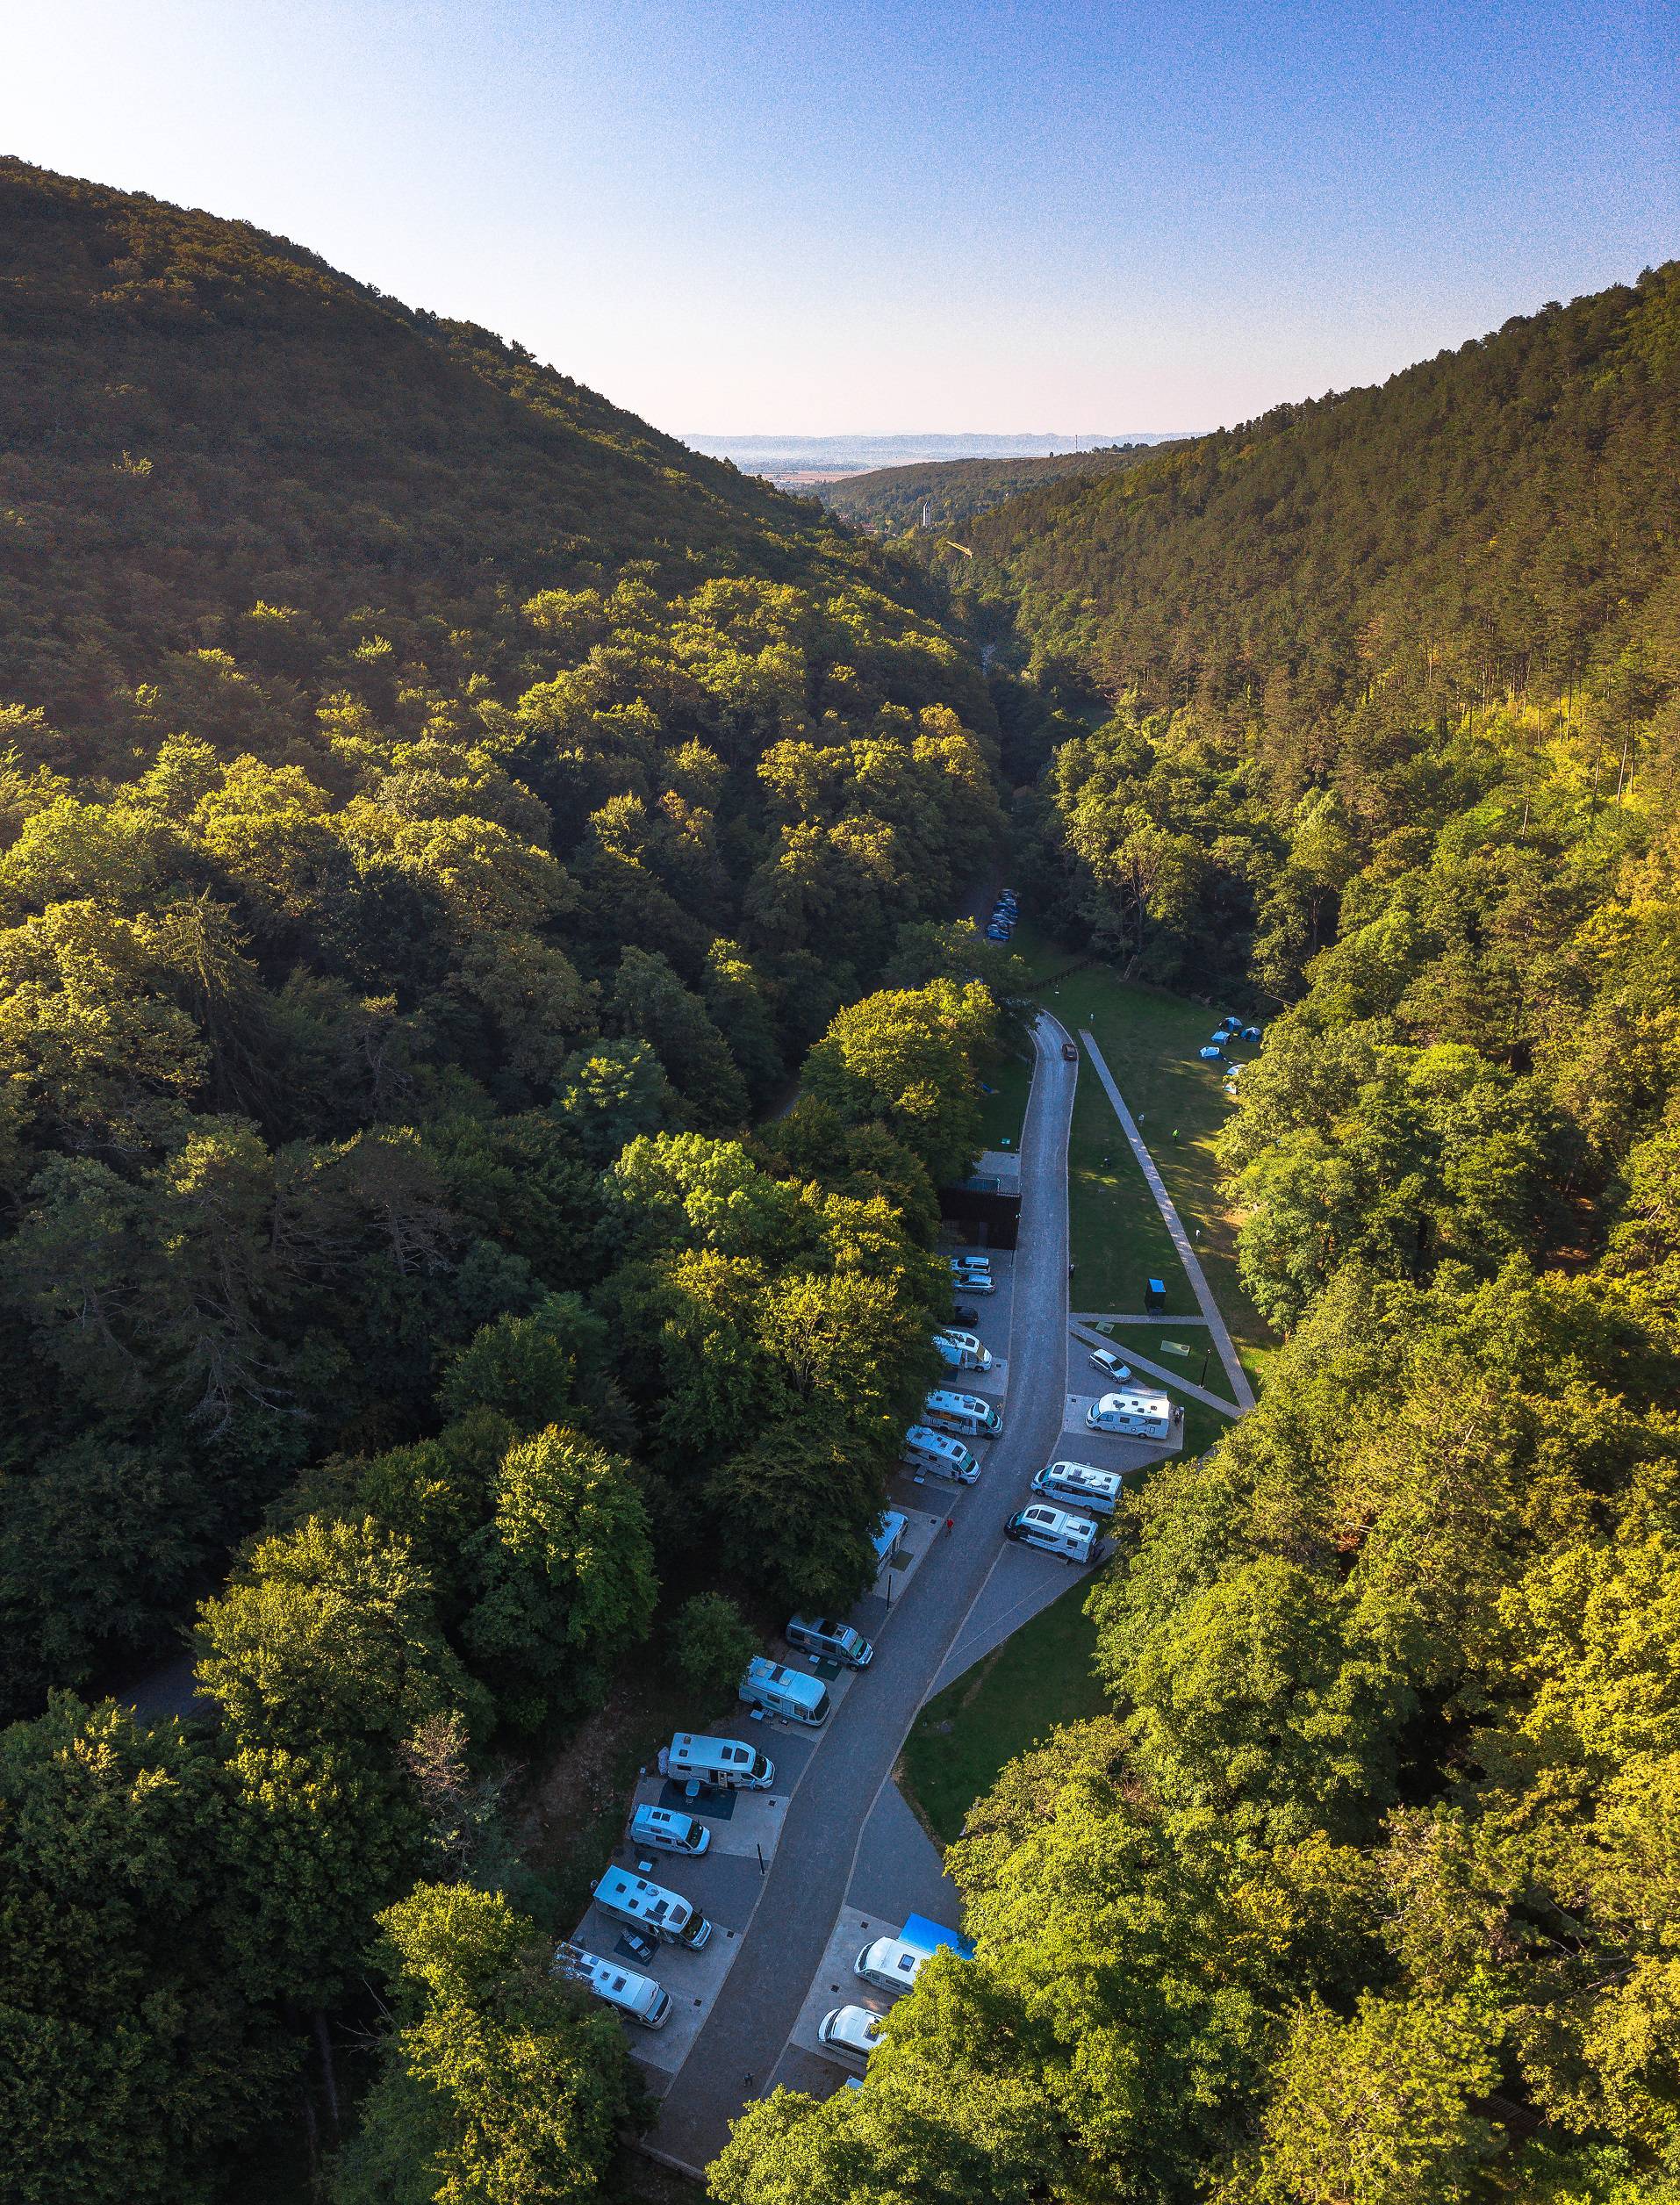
913 217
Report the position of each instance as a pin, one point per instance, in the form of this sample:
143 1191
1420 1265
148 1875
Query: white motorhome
663 1830
637 1998
1139 1416
665 1914
890 1963
1054 1532
965 1413
851 2030
926 1449
1082 1483
832 1641
716 1765
786 1692
962 1351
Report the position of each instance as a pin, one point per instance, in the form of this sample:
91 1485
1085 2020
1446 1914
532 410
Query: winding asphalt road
805 1887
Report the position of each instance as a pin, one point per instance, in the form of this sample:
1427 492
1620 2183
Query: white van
1139 1415
833 1641
890 1963
962 1351
851 2030
786 1692
665 1914
637 1998
1080 1482
1053 1531
663 1830
887 1532
719 1764
1110 1364
963 1412
926 1449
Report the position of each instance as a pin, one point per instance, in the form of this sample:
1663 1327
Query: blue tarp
924 1934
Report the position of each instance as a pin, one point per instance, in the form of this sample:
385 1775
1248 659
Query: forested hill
198 416
888 500
437 817
1497 517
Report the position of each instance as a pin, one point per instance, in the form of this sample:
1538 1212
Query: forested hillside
889 499
1368 1890
437 817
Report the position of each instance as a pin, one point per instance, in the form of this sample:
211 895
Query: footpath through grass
1005 1705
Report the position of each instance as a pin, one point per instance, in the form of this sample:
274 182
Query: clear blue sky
851 215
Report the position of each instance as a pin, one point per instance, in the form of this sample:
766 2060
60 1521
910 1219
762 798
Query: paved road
1242 1391
805 1887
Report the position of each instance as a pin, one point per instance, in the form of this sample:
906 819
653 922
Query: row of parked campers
891 1964
1056 1530
971 1274
962 1351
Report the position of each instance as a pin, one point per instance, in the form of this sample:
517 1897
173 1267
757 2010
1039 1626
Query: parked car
1108 1364
961 1314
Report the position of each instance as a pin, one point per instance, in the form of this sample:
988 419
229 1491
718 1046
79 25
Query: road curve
744 2034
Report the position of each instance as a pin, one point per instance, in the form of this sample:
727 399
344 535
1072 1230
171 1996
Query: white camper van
1139 1416
964 1412
665 1914
962 1351
926 1449
1081 1484
637 1998
1053 1532
890 1963
786 1692
716 1765
663 1830
831 1641
853 2030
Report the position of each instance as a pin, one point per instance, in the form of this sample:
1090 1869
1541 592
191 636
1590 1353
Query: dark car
961 1314
1070 1052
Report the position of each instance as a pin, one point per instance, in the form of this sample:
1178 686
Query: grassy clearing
1149 1040
1001 1707
1004 1111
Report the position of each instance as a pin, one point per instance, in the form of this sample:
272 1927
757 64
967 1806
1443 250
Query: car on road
1108 1364
1053 1532
1070 1055
853 2030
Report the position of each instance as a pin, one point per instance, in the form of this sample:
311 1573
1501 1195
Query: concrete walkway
1242 1391
1155 1370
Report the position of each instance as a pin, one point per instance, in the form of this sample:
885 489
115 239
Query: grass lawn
1003 1706
1004 1110
1149 1040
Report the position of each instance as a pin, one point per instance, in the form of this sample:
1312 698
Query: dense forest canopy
438 817
889 499
1369 1888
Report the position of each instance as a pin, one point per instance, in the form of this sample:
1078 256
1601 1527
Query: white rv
1080 1484
888 1964
786 1692
926 1449
830 1641
962 1351
637 1998
1139 1416
663 1830
715 1764
964 1412
665 1914
1054 1532
850 2029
